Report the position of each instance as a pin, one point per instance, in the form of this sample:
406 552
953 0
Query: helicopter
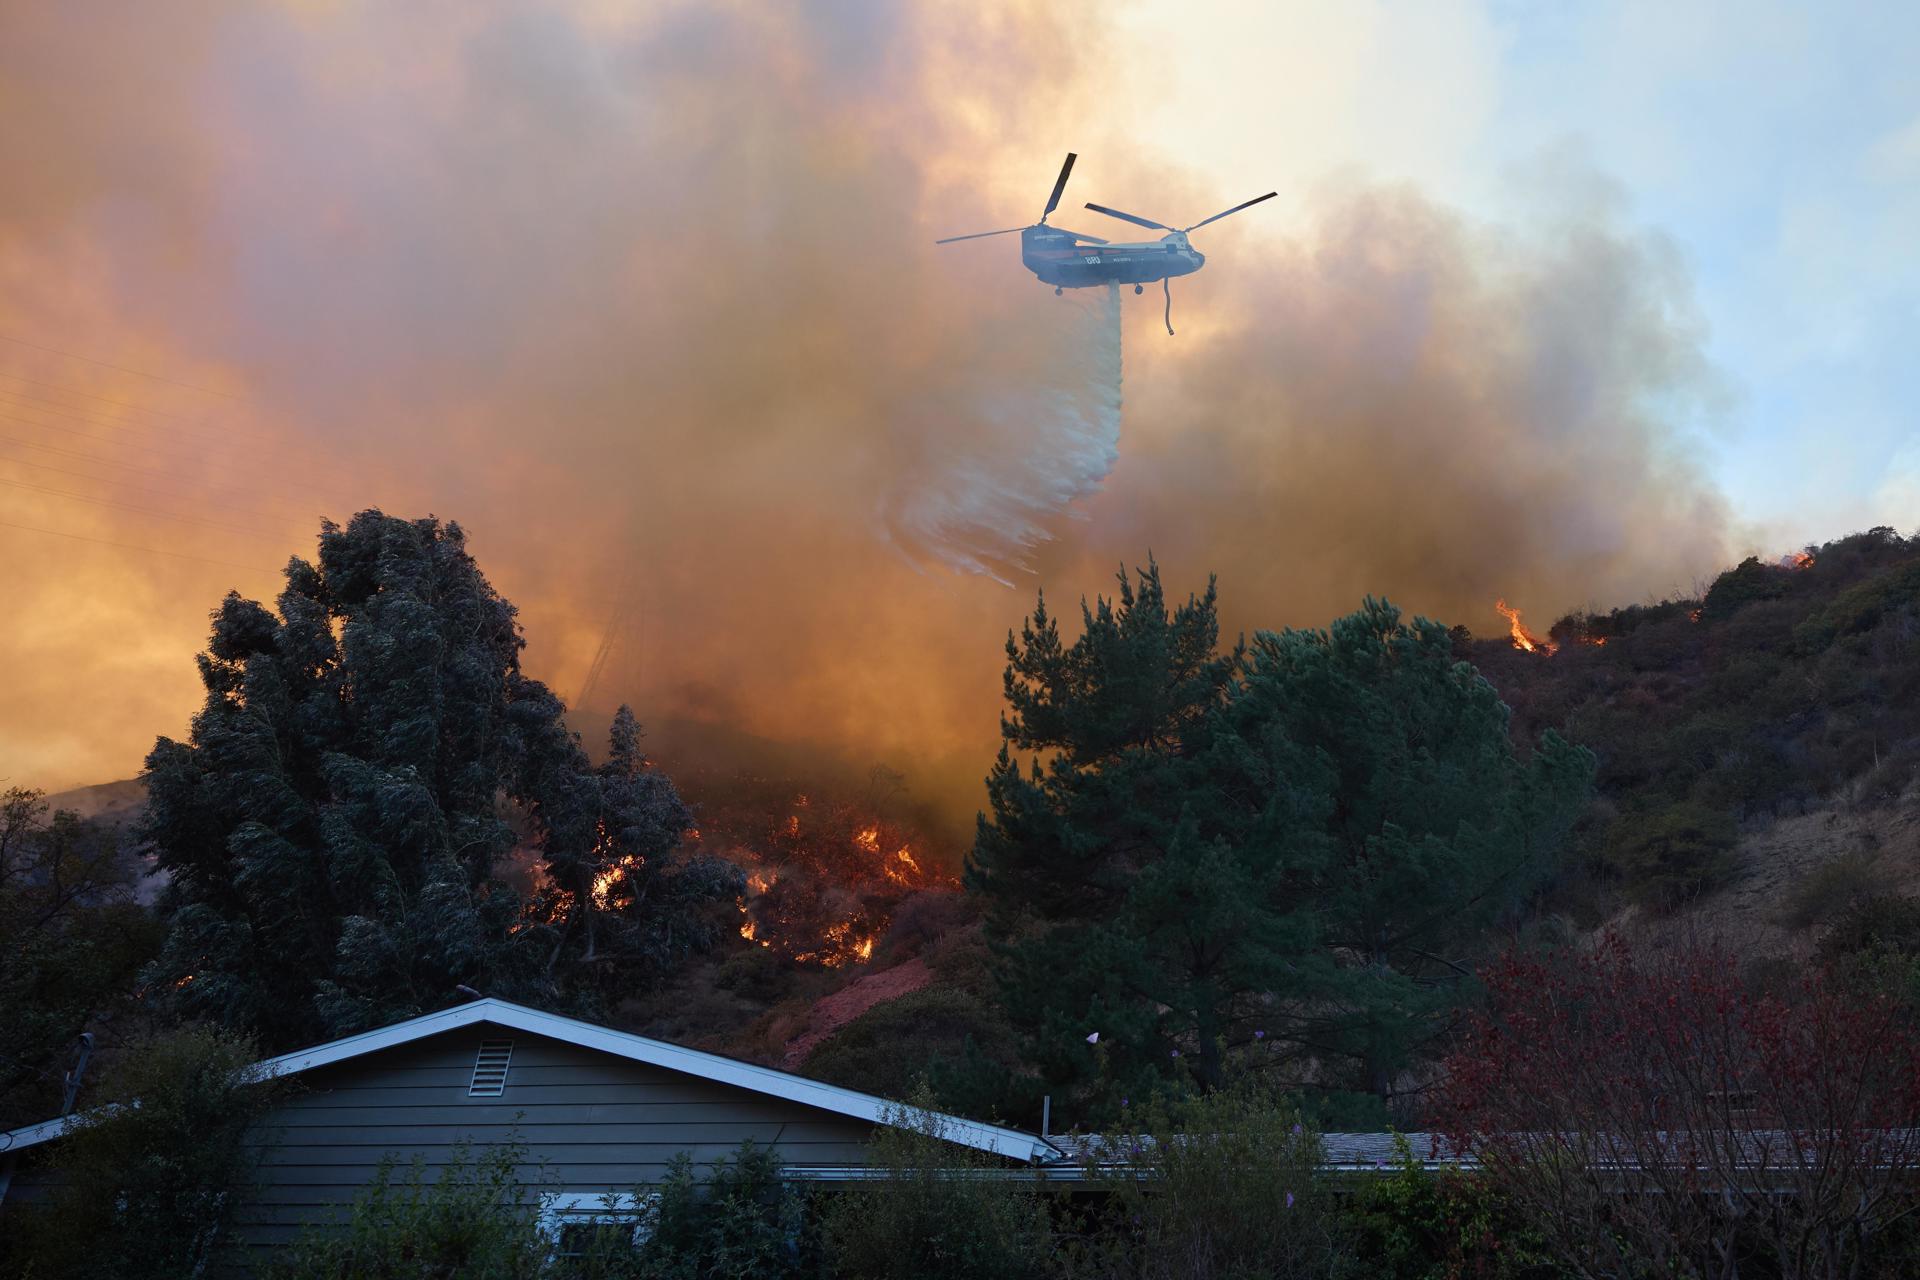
1073 260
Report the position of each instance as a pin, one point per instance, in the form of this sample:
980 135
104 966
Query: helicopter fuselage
1062 260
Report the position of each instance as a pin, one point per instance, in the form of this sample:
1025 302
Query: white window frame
562 1209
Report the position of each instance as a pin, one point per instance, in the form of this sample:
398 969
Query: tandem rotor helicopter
1070 260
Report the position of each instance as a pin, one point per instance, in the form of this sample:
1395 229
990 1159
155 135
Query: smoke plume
650 304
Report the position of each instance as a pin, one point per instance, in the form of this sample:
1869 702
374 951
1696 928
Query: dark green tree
1114 912
1299 841
335 827
72 937
1408 823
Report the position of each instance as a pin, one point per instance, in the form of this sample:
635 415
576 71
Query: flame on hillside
1522 638
1797 560
822 876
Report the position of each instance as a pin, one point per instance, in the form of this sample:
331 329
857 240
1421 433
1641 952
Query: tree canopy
338 827
1214 852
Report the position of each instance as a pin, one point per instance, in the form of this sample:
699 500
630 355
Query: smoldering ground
649 303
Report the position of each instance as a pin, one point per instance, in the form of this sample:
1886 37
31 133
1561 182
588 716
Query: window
490 1069
575 1221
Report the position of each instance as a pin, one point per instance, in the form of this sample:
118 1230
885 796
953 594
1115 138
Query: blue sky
1777 145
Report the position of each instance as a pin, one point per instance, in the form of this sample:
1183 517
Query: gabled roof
708 1066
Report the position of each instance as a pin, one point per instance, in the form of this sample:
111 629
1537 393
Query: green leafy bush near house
1412 1224
1215 1187
936 1211
149 1180
475 1219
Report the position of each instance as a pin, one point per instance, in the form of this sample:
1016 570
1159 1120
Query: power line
145 511
80 413
129 546
89 395
245 478
138 373
147 488
202 481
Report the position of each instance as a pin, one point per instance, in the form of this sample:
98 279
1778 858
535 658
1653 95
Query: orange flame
1798 560
1522 638
869 839
605 880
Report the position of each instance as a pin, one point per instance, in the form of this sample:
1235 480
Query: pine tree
335 826
1426 826
1115 913
1230 849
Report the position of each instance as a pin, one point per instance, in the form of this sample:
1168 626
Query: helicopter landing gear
1139 289
1057 291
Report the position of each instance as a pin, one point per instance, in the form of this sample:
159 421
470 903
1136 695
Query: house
599 1112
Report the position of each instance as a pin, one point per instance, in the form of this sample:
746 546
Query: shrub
1413 1224
474 1220
1207 1188
1672 855
1651 1116
1841 883
935 1211
742 1222
151 1179
757 974
1746 582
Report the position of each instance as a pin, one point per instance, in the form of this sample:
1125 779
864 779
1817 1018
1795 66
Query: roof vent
490 1069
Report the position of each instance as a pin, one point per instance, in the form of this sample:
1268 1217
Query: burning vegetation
823 875
1522 638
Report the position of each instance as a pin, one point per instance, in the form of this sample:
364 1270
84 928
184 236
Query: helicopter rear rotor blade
1128 217
1237 208
1059 185
1081 235
981 235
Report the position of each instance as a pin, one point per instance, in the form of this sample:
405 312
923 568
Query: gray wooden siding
590 1122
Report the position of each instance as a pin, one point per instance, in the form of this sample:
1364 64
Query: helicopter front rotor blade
980 234
1237 208
1127 217
1059 185
1081 235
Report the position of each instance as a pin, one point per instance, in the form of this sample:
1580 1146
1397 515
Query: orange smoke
688 418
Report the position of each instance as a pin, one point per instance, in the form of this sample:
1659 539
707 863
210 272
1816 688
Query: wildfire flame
1522 638
605 880
1797 560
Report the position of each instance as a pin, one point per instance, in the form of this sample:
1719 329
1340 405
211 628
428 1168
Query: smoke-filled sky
1568 304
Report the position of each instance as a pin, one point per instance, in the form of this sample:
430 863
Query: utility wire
81 413
129 546
145 511
138 373
246 479
146 488
200 481
135 405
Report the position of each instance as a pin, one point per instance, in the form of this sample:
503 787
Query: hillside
1756 750
1749 740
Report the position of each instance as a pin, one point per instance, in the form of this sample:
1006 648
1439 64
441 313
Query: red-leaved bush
1648 1115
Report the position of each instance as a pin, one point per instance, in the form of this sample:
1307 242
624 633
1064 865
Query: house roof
709 1066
